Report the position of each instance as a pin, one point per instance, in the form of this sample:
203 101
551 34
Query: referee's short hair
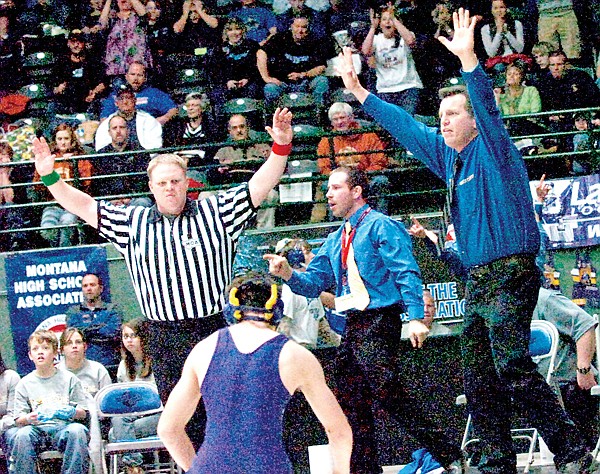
166 159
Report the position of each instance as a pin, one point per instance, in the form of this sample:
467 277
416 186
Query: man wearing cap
145 132
147 98
304 318
79 79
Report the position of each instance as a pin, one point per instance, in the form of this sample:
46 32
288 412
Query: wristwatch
584 370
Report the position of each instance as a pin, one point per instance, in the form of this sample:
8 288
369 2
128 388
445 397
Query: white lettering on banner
29 286
443 291
65 283
592 197
593 231
57 268
54 299
451 309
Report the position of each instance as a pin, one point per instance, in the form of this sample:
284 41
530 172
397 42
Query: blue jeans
408 99
70 439
317 86
499 373
57 216
127 428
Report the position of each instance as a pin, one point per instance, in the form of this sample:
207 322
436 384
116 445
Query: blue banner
42 285
571 212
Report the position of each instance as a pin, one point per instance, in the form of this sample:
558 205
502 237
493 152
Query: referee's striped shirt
179 267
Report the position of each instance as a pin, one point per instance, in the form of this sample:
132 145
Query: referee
179 252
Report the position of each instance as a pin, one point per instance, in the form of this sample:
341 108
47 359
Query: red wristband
281 150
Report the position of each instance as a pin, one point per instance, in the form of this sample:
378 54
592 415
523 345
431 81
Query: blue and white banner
42 285
571 212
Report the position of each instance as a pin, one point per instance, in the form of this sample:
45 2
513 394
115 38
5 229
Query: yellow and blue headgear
270 312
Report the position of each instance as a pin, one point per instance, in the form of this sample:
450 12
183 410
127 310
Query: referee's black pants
170 344
367 381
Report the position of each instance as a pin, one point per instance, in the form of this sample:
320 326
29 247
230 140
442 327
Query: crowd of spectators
135 60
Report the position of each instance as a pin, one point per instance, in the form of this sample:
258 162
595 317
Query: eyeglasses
130 336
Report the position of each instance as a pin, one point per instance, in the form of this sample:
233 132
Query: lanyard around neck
347 238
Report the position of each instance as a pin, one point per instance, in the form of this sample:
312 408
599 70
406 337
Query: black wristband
584 370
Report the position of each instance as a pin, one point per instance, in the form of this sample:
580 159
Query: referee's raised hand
44 159
281 131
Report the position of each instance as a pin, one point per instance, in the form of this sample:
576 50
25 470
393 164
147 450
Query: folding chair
131 399
543 345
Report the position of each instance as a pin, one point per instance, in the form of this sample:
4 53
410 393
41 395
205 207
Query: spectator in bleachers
100 322
583 141
126 37
145 132
120 164
556 19
233 66
540 52
85 15
516 97
260 22
79 81
281 6
342 14
435 64
8 383
197 127
566 88
353 151
502 36
50 407
135 366
304 318
299 8
92 375
237 164
389 53
294 60
10 217
41 12
65 145
9 48
159 34
197 31
147 98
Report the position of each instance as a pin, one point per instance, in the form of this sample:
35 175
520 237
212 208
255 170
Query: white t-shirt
305 314
394 66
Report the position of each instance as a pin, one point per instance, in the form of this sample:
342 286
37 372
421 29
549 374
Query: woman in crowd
126 40
515 97
93 375
233 65
502 36
389 53
64 144
135 366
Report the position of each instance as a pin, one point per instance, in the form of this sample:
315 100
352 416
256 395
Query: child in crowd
49 405
135 366
93 375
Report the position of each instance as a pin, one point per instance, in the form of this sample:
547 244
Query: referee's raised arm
73 200
269 174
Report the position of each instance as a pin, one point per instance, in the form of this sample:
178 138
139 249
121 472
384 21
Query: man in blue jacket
497 240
